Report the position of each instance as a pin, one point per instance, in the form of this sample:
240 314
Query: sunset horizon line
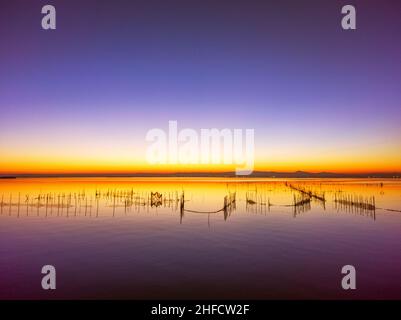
211 173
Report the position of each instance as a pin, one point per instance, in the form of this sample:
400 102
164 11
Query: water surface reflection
200 238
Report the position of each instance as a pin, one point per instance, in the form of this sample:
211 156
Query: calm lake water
187 238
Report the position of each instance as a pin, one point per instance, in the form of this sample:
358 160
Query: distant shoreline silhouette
255 174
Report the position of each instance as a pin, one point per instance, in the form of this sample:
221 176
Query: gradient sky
81 98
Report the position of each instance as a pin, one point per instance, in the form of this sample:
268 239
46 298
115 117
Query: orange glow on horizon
113 168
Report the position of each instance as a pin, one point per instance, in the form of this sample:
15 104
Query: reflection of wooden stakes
19 200
229 204
58 205
301 203
27 204
255 202
47 201
38 205
359 203
182 203
156 199
75 201
114 203
225 208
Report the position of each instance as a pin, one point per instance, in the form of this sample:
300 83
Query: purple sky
115 69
